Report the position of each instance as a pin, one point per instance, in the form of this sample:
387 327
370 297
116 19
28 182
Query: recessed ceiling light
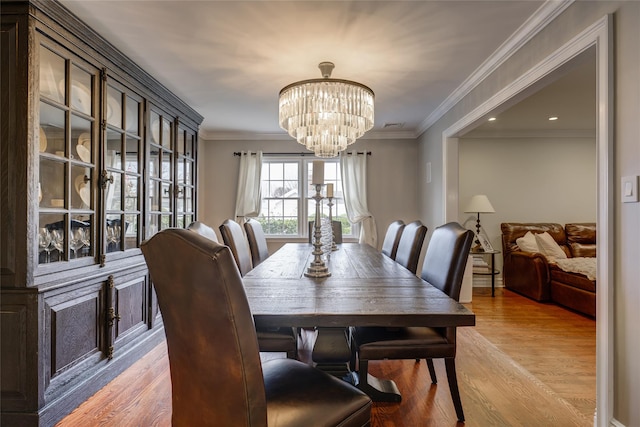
492 119
552 118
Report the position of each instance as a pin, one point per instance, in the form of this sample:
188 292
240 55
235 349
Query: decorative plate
83 190
114 111
84 153
155 131
80 96
84 147
43 141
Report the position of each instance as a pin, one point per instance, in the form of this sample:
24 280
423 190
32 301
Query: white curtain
354 189
249 195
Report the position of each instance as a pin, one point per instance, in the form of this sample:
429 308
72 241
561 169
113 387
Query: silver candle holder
317 267
333 237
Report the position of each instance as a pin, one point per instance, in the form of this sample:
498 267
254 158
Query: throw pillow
527 243
549 247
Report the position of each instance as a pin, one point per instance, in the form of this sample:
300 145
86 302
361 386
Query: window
287 203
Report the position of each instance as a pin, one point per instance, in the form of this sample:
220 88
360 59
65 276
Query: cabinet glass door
122 173
66 143
161 173
185 179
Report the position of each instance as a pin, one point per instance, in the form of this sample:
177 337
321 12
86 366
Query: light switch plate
629 189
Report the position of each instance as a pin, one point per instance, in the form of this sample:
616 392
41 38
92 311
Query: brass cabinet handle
104 179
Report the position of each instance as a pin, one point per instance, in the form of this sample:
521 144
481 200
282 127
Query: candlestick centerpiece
330 204
317 267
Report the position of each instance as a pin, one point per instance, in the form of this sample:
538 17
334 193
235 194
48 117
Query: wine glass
86 238
76 240
44 242
57 239
116 235
110 238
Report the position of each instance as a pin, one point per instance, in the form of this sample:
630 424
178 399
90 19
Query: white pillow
549 247
527 243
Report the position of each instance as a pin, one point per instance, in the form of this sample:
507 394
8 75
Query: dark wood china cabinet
96 156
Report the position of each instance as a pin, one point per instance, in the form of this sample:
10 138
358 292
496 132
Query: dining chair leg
432 371
450 364
353 360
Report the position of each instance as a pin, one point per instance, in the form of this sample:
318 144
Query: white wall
528 180
392 168
626 129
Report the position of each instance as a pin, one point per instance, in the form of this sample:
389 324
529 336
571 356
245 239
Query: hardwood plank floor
524 364
556 345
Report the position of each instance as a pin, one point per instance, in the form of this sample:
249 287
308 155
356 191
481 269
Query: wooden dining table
365 288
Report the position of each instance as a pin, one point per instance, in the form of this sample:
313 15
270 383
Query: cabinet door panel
131 308
13 323
75 319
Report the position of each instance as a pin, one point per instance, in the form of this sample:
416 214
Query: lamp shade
479 204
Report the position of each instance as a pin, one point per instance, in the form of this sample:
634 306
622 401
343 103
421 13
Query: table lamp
479 204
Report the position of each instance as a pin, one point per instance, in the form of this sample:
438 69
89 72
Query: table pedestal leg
378 389
331 352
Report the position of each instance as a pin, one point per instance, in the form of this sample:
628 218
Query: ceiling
568 93
229 59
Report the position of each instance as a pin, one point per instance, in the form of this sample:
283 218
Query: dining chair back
392 239
274 339
444 265
446 258
233 237
203 229
257 241
217 378
410 245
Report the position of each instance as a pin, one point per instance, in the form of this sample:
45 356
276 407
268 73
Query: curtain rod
301 154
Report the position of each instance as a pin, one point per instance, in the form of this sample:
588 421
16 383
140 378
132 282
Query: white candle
318 172
329 190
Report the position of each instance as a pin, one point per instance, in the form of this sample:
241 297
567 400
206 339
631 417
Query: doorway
598 37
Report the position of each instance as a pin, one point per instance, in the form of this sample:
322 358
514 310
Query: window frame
304 196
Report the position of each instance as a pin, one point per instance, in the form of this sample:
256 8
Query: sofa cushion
527 243
512 230
581 239
549 247
575 280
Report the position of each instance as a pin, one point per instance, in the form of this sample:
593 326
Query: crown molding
536 22
531 133
281 136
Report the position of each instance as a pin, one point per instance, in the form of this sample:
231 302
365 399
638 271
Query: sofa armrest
527 273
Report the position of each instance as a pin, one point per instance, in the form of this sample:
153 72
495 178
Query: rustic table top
366 288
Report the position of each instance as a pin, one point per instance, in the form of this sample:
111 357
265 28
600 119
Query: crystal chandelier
326 115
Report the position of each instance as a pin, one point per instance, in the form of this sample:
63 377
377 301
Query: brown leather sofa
530 274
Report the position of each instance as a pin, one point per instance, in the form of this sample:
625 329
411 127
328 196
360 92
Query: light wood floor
524 364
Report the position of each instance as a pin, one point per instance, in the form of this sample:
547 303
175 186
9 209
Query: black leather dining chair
443 267
410 245
269 339
233 237
392 239
217 378
257 241
203 229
